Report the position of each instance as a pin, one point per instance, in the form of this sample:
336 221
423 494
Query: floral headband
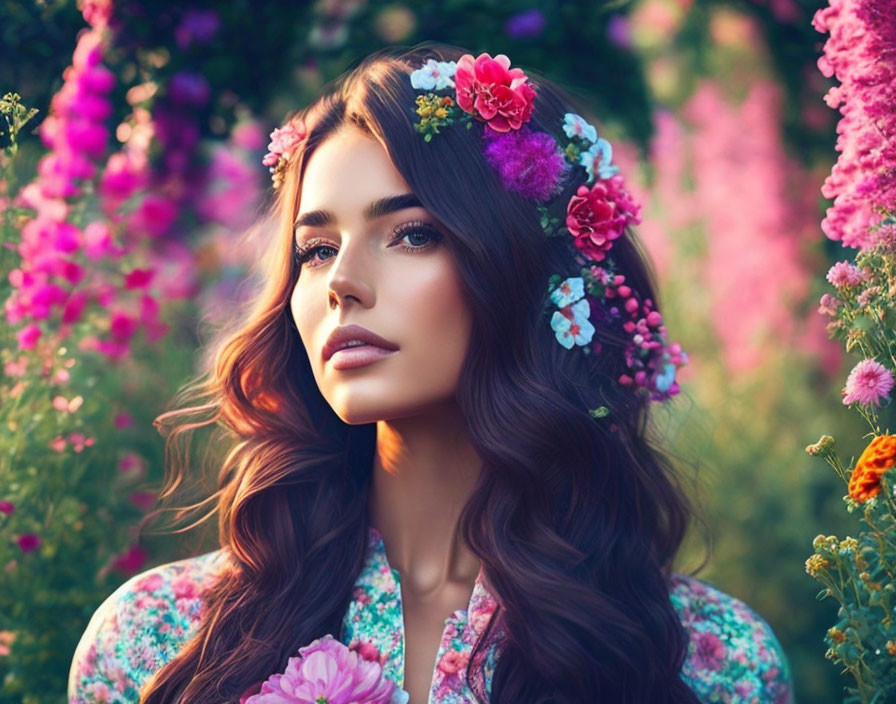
532 163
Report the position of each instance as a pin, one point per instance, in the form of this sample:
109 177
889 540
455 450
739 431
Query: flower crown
488 91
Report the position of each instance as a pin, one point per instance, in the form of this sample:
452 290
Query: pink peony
869 382
327 671
488 88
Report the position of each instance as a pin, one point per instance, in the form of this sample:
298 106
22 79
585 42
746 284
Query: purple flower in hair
527 162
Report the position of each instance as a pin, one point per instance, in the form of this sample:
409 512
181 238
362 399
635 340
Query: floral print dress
733 654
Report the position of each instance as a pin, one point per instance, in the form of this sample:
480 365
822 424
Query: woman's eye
417 235
314 255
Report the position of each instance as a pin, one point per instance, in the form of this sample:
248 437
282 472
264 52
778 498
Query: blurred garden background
134 208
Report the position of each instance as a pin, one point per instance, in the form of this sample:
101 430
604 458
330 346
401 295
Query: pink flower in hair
488 88
283 141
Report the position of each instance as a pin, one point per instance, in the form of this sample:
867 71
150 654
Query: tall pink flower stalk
860 53
755 227
107 267
76 135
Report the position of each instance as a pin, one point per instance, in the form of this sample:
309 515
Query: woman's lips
358 356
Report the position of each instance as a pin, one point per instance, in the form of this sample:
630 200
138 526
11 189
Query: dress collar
375 616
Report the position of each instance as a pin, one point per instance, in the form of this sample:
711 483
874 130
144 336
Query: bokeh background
716 112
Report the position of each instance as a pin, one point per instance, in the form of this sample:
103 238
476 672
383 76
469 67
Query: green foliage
860 574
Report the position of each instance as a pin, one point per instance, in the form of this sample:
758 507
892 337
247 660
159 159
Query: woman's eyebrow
384 206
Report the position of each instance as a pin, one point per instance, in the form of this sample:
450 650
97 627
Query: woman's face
372 256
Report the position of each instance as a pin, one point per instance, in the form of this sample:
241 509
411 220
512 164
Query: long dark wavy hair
576 520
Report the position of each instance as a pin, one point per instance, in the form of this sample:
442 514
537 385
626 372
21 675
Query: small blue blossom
664 381
581 311
434 75
576 126
575 331
599 158
568 292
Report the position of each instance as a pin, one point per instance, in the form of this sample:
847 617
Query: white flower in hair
434 75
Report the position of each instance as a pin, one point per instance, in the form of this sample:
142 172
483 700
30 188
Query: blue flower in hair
568 292
664 381
575 126
571 324
598 160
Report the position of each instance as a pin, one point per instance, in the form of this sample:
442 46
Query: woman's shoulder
140 627
733 655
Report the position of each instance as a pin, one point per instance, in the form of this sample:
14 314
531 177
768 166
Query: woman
451 365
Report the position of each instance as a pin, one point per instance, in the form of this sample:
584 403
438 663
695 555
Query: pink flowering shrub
91 279
859 53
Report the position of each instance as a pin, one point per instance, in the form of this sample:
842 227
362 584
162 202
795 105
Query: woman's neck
424 471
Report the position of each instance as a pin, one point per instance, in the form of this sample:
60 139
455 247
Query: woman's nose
351 278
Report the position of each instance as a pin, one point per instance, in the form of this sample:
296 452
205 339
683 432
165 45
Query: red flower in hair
597 216
487 87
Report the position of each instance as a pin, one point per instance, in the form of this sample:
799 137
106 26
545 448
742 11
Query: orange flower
877 458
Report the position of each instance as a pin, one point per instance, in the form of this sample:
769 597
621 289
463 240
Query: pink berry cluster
651 360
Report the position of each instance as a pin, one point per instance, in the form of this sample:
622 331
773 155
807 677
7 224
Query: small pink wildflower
130 561
60 403
29 542
144 500
28 336
869 382
79 441
6 507
123 420
16 368
845 274
828 304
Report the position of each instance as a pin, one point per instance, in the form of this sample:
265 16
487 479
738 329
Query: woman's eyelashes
410 237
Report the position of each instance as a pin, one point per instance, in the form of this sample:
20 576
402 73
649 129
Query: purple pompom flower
527 162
